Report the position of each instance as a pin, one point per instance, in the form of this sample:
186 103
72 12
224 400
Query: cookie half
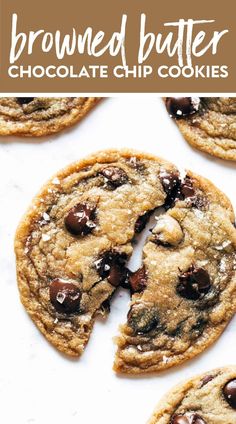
207 399
73 244
207 123
40 116
184 294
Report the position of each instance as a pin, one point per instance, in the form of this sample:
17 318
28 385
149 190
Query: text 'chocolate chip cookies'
207 399
207 123
40 116
74 242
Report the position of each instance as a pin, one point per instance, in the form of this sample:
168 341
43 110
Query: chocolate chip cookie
207 123
206 399
39 116
74 243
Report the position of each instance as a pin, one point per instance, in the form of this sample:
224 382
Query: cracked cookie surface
40 116
73 244
207 123
207 399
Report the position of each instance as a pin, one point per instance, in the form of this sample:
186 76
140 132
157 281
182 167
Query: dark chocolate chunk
138 280
142 319
114 176
229 392
171 184
179 107
24 100
176 189
80 220
112 266
194 283
188 418
135 163
106 305
65 296
141 222
187 189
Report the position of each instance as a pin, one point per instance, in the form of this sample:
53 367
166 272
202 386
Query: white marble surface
37 384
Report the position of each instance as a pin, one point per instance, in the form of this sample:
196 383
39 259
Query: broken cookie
73 245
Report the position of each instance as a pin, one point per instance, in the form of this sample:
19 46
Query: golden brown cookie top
207 399
207 123
74 243
38 116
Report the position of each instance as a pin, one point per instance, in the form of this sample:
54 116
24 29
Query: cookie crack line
207 123
75 242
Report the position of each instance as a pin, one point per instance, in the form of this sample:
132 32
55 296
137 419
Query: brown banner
106 46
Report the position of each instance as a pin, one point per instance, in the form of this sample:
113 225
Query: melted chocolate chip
187 189
171 184
179 107
142 319
206 380
175 189
229 392
188 418
106 305
24 100
80 219
65 296
141 222
135 163
138 280
194 283
114 176
111 266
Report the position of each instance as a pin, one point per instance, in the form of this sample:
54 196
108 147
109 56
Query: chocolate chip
106 305
179 107
138 280
142 319
187 189
198 328
230 393
114 176
135 163
116 275
188 418
64 295
25 100
175 189
124 282
199 202
111 266
180 419
206 380
171 184
194 283
80 219
141 222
